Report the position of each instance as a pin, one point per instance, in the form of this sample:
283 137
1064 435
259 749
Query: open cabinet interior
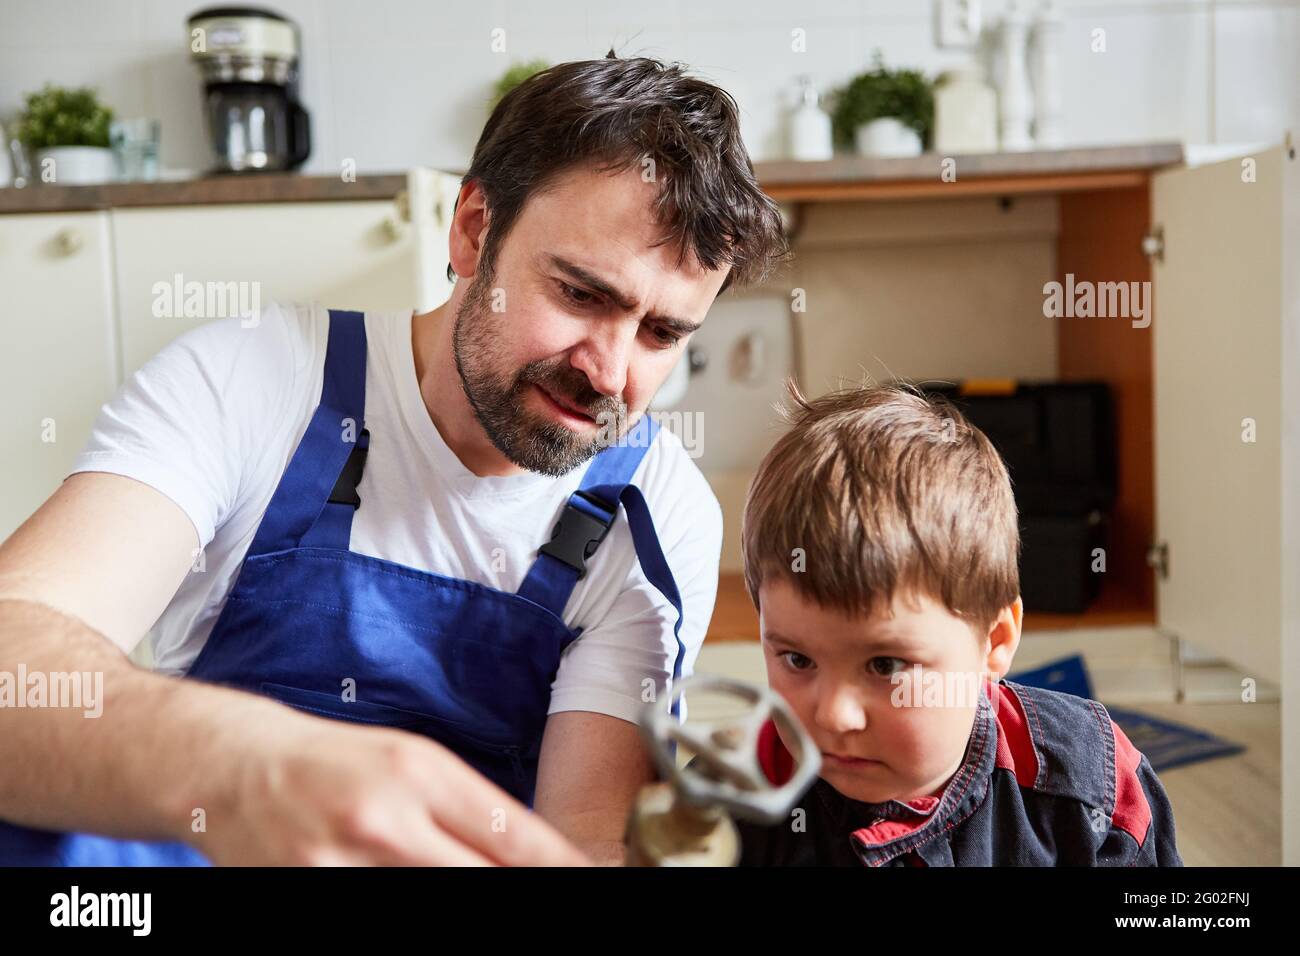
932 286
922 282
1100 240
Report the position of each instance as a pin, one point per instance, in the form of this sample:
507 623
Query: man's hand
80 583
326 793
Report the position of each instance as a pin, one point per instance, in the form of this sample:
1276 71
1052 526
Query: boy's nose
839 711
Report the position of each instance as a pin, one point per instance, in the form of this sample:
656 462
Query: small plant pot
887 136
74 165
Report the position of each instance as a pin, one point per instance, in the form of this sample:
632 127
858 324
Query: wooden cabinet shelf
848 178
734 617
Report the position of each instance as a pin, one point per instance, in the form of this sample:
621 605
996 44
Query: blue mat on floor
1165 743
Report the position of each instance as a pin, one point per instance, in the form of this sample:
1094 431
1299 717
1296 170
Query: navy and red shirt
1048 779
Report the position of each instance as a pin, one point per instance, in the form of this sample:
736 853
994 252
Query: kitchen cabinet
89 296
60 349
1205 546
1202 375
345 255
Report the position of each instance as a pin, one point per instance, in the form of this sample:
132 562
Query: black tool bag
1058 440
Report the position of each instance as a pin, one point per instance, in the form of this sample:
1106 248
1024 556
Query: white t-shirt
212 420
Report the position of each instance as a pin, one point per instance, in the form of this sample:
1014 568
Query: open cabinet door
431 195
1217 351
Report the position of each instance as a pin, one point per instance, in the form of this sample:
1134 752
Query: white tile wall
392 83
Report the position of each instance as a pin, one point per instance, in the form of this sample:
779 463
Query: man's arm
591 767
100 560
80 582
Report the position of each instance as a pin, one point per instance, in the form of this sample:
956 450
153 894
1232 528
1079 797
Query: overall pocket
500 761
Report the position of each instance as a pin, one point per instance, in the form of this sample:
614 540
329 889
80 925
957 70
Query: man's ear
1004 639
468 227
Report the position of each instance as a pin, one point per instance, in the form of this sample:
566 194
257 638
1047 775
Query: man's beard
497 396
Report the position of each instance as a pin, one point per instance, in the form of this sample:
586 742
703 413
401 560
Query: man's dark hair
614 113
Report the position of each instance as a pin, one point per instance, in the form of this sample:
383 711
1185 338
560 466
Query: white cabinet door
1218 356
349 255
59 361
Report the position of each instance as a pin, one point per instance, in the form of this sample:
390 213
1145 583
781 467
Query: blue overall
456 661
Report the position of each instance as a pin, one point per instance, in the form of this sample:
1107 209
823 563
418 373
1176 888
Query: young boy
881 549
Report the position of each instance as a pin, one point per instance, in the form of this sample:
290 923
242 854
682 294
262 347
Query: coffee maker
249 60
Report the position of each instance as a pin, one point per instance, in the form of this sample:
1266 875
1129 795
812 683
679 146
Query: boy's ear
1004 639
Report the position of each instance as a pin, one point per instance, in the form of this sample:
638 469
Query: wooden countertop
734 617
1055 170
844 177
210 190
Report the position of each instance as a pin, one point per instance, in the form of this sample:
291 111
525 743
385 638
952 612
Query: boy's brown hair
886 491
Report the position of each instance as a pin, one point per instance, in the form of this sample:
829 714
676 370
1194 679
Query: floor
1227 810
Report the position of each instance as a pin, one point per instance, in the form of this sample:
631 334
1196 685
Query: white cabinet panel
1218 372
57 366
355 255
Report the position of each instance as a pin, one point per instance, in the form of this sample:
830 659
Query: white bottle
1045 64
810 127
965 113
1014 99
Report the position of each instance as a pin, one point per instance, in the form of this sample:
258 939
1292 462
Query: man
430 535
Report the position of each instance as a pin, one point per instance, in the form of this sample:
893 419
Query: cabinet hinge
1158 558
1153 244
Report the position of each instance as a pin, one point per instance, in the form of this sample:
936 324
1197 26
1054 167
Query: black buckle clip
578 533
345 489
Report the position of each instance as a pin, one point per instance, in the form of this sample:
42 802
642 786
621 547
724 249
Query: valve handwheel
726 771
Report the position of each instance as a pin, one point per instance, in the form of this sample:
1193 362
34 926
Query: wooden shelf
207 190
847 178
734 617
842 178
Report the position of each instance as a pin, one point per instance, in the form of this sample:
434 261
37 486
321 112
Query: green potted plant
884 112
67 132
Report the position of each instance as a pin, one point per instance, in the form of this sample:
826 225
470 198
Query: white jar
965 113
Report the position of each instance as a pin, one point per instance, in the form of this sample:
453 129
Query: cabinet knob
393 228
68 241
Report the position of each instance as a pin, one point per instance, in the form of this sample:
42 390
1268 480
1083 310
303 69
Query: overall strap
314 503
585 521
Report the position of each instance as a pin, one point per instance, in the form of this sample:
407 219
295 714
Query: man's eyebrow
627 303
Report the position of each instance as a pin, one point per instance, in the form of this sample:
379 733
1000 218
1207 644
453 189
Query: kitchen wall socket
957 23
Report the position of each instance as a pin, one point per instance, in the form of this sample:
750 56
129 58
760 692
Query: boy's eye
886 666
796 661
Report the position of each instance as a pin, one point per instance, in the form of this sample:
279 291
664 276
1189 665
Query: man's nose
603 356
840 710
